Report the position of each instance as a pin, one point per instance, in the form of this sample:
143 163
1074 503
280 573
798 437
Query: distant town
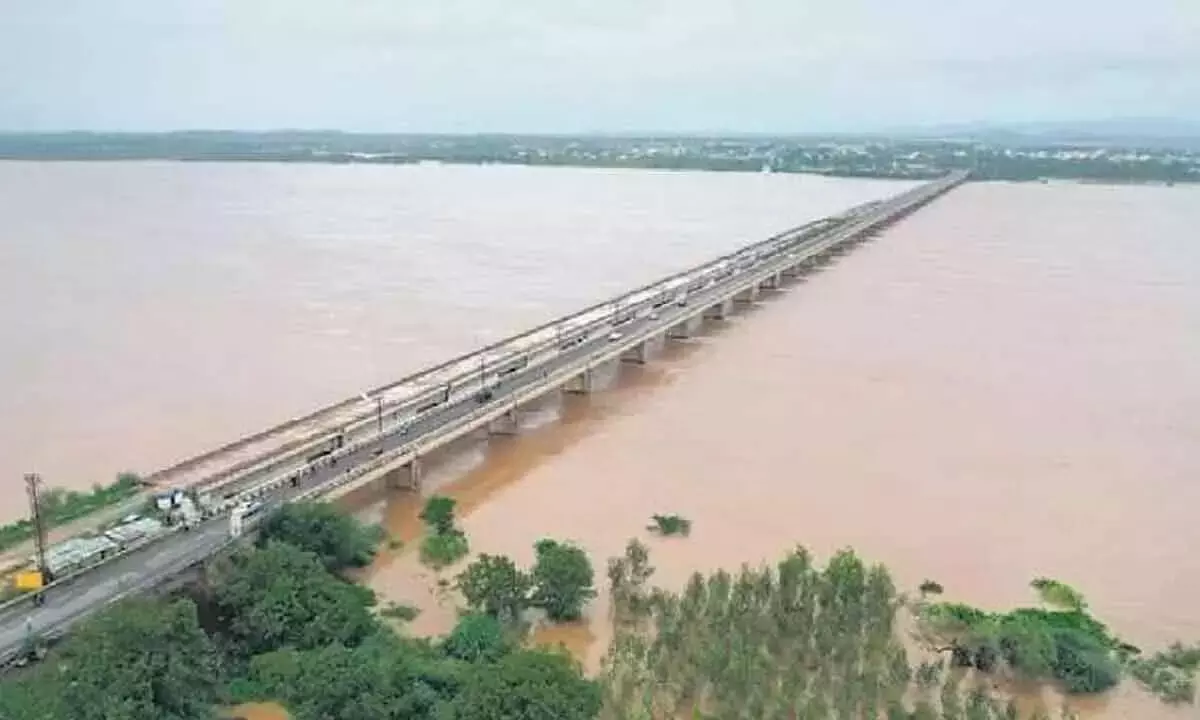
1014 158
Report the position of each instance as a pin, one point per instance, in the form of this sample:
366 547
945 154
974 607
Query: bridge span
383 434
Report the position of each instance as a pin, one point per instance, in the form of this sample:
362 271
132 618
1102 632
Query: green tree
477 637
139 660
526 685
335 537
281 596
494 585
382 679
438 514
562 578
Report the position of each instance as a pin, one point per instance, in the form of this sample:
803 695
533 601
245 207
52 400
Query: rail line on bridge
349 445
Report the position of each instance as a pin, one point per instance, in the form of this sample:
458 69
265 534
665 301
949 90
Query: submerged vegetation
560 583
444 544
1062 644
667 525
63 506
275 621
785 641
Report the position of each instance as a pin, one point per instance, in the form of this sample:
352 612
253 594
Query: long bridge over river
383 434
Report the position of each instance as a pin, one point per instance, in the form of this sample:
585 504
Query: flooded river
1005 385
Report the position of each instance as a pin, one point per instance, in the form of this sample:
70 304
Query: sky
599 65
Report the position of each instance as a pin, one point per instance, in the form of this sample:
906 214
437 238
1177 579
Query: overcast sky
573 65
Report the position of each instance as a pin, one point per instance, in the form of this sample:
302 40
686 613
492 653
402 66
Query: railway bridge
383 435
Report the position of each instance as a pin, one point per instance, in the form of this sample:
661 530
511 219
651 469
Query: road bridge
384 434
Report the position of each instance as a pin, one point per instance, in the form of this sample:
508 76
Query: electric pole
33 483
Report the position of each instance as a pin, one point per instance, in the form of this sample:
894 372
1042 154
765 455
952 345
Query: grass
60 507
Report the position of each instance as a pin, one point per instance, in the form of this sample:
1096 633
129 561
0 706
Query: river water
1003 386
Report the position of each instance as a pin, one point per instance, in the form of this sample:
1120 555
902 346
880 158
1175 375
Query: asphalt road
143 569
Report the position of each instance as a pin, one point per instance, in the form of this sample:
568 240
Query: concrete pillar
747 296
687 328
772 282
720 311
644 351
407 476
507 424
792 271
581 384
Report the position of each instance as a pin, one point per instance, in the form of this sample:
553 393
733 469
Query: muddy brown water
1004 386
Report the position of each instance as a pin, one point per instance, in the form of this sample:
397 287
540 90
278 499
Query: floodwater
1004 386
152 311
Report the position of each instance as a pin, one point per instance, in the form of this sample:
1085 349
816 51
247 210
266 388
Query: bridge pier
747 296
644 351
507 424
406 477
774 282
687 328
792 271
581 384
720 311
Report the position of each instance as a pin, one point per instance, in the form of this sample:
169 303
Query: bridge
382 435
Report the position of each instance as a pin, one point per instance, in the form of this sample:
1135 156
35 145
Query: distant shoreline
867 156
865 174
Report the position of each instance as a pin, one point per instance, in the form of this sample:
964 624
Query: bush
562 579
438 514
396 611
336 538
495 586
930 587
668 525
441 550
477 637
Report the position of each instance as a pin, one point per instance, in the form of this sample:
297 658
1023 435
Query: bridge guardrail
922 194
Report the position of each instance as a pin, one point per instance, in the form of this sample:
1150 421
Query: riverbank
66 513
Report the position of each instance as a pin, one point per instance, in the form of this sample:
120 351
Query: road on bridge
144 568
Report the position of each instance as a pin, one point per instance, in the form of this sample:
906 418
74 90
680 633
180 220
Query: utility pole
33 483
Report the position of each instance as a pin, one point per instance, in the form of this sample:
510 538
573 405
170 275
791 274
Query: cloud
573 64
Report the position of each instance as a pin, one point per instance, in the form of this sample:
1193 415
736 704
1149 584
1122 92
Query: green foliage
1170 674
281 596
1059 594
477 637
339 540
494 585
63 506
1068 646
668 525
784 641
562 579
139 660
439 551
438 514
930 587
404 613
526 685
382 679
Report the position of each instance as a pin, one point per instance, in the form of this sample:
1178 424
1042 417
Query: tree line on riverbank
277 622
60 507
